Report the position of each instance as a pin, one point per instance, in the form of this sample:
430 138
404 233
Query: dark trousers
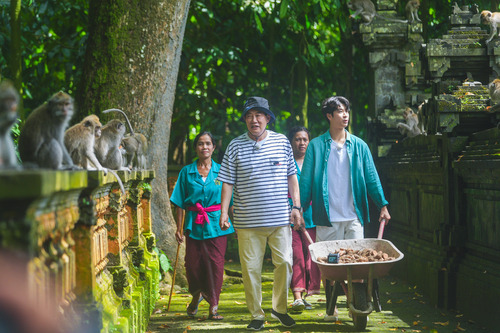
306 275
204 264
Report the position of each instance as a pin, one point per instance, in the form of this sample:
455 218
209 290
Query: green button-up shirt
364 178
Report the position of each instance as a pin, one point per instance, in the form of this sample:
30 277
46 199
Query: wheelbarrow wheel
360 303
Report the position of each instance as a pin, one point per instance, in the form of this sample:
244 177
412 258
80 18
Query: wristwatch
297 208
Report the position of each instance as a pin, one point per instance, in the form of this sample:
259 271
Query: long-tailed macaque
494 88
492 19
9 100
366 9
135 145
80 140
41 141
411 128
412 10
107 146
98 125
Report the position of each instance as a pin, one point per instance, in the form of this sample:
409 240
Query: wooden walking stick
306 233
175 266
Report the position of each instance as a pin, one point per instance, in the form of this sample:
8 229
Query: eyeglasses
258 116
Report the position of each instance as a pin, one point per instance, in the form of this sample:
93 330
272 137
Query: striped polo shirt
259 172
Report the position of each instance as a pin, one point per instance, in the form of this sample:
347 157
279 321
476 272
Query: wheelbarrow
359 300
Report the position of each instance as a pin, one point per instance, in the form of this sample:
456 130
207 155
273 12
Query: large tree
291 52
131 63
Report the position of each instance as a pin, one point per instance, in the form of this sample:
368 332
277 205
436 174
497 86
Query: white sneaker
308 306
298 305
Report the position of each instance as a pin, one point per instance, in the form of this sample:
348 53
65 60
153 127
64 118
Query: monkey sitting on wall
412 10
41 141
135 145
492 19
494 88
79 141
107 146
366 9
410 128
9 99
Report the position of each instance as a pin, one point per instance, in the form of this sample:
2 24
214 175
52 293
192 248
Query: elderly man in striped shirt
259 167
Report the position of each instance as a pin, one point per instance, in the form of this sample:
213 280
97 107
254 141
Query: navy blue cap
257 103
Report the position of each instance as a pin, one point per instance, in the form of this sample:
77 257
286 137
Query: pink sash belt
202 212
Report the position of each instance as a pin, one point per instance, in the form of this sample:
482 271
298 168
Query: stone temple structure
444 186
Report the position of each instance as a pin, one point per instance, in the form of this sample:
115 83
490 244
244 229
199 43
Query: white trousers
252 246
340 230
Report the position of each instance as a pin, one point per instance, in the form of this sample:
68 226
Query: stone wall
443 187
89 247
444 195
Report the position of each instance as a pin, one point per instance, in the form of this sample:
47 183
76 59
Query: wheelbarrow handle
381 229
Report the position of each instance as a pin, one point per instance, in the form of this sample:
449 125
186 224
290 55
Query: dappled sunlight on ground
403 310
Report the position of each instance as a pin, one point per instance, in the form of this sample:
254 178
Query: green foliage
146 187
165 265
53 45
236 49
289 51
15 131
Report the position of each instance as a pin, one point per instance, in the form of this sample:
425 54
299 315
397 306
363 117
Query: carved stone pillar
396 70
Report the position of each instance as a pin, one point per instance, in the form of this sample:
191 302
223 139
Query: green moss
121 326
403 309
443 105
113 37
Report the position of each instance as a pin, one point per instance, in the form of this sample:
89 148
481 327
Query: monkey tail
118 180
390 19
125 115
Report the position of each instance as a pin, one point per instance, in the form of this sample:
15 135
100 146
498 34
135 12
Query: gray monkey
41 141
107 146
9 100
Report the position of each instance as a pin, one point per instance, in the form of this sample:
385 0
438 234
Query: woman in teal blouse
197 194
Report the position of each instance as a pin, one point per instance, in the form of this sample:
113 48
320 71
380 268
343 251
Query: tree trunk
302 82
131 63
15 61
346 53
